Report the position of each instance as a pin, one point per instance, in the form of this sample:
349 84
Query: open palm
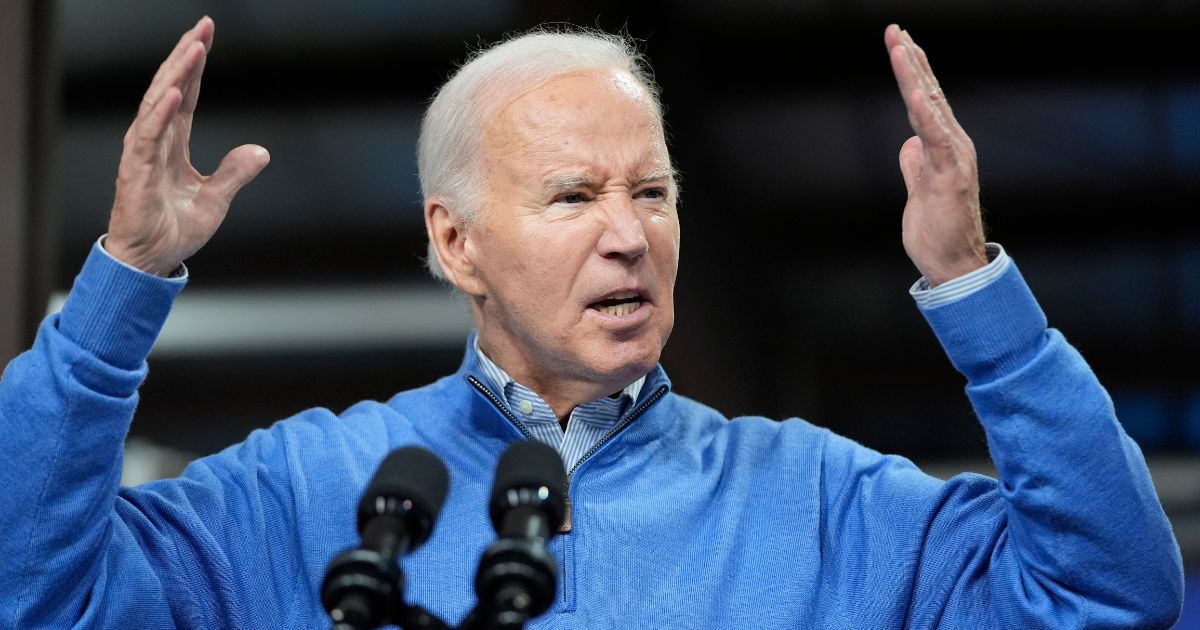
165 210
942 224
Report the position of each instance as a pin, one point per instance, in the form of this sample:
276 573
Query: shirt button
526 407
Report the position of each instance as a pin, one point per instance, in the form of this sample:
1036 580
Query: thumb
237 169
912 154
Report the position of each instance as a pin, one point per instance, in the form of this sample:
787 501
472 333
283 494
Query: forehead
595 118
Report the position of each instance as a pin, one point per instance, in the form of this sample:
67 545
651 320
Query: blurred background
785 123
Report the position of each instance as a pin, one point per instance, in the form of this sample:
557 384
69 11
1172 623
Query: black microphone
517 575
363 586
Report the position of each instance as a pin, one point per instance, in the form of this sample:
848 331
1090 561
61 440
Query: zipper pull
565 527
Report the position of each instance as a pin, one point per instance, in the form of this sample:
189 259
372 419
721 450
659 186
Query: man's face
577 246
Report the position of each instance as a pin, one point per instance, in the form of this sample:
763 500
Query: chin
628 361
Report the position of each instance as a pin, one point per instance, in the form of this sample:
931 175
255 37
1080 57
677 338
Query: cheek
509 256
502 263
539 269
665 245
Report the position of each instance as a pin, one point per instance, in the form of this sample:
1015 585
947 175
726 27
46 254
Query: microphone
517 575
363 585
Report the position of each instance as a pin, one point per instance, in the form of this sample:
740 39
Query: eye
653 193
571 197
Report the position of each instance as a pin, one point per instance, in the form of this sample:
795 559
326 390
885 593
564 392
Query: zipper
483 389
567 603
565 528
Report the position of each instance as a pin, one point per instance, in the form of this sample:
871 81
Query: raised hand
165 210
943 229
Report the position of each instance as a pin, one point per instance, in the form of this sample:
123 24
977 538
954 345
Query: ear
448 236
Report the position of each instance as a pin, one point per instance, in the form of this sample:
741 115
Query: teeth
620 309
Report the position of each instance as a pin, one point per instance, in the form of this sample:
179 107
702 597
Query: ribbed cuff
115 311
994 330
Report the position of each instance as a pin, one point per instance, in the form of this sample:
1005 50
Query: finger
933 86
937 128
176 76
154 92
236 170
188 78
910 74
202 32
911 156
191 91
191 87
935 93
185 71
892 36
906 80
904 70
935 136
149 129
919 56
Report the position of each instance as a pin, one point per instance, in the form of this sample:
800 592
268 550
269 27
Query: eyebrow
565 182
662 174
570 181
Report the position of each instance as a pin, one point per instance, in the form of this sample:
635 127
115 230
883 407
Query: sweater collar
606 411
472 367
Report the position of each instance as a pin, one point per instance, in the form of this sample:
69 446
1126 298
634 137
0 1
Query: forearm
65 408
1083 522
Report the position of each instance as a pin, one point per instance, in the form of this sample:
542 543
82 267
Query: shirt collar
607 410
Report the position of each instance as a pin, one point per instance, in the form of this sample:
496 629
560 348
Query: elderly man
550 203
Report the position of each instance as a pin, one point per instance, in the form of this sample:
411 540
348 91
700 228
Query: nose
623 234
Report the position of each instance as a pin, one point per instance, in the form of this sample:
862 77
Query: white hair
448 156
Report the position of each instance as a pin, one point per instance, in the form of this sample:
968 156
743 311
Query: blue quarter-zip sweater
681 518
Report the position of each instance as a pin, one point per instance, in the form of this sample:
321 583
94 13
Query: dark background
785 123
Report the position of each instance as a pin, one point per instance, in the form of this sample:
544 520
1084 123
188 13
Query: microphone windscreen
410 474
530 464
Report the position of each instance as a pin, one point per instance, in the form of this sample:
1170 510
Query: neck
561 394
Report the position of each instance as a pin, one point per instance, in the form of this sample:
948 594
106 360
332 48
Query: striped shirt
587 424
964 285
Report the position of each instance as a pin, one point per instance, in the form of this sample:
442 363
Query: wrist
115 311
142 262
947 270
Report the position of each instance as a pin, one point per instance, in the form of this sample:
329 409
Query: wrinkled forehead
566 91
592 108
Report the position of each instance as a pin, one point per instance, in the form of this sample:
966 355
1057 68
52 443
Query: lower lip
635 318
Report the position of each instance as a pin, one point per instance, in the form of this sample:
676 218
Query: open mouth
619 304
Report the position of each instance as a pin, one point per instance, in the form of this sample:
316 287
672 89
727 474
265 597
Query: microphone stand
511 613
364 587
417 618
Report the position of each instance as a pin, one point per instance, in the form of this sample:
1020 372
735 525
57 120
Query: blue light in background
1183 122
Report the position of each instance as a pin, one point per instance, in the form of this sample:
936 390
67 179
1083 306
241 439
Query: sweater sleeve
77 550
1072 534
